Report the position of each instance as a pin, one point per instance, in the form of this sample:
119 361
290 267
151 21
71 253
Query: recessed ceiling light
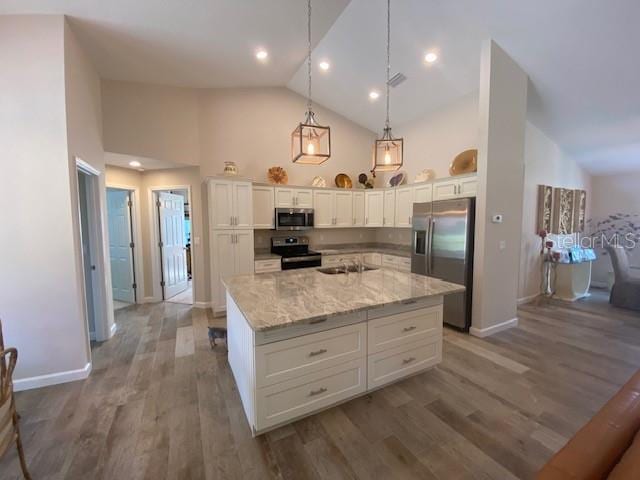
373 95
430 57
262 54
324 65
135 163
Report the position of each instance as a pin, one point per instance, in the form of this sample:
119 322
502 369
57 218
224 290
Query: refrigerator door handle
432 227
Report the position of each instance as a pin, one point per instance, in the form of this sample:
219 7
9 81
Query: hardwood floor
161 404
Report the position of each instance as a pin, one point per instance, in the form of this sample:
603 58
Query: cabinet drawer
389 261
405 306
407 327
286 401
404 264
271 265
393 364
280 361
373 259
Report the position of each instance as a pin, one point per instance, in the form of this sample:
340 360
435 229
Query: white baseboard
149 300
51 379
201 304
527 299
597 284
485 332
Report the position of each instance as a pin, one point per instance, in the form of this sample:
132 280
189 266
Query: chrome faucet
357 265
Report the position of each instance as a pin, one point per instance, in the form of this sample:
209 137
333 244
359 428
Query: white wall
433 141
545 164
613 195
39 290
503 109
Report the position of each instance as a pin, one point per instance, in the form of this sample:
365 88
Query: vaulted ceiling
580 55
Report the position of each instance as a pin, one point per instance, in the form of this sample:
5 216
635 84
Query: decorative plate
397 179
318 181
343 181
465 162
278 175
425 175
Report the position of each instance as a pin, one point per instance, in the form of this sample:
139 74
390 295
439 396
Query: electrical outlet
497 218
502 245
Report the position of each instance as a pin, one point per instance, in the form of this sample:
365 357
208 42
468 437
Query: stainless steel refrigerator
442 247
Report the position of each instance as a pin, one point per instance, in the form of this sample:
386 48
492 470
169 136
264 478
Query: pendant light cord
386 124
309 54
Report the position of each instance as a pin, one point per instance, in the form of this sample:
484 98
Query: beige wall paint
434 141
151 121
145 181
503 109
545 164
39 290
612 194
253 126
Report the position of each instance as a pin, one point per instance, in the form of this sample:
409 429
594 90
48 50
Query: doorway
172 229
122 245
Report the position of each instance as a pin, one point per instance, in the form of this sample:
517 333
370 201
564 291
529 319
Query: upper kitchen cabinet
263 207
358 209
332 208
404 206
423 193
373 208
292 197
455 188
389 208
230 204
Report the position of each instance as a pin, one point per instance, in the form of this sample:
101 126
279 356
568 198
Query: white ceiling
580 55
120 160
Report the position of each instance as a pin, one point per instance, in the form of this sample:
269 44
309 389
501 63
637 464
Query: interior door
120 253
172 238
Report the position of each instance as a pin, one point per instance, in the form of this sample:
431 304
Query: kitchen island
303 340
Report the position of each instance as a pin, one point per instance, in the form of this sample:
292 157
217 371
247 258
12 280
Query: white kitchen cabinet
230 204
404 206
397 263
343 208
263 207
423 193
231 254
374 208
293 197
323 211
358 209
268 265
373 259
389 208
455 188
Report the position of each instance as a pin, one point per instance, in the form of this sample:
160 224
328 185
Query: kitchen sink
341 270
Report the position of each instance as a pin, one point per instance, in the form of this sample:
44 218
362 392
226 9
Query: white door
404 206
323 211
374 207
304 198
120 252
222 265
263 207
389 208
358 209
243 252
343 209
221 204
242 205
173 250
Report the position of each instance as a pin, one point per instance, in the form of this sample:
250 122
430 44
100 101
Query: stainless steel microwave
294 218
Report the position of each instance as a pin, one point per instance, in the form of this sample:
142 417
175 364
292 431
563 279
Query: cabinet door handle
230 220
313 393
408 360
408 329
366 220
318 352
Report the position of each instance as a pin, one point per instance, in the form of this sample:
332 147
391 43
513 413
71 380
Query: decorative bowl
465 162
230 169
343 181
397 179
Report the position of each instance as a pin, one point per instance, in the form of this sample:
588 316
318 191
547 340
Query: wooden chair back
8 433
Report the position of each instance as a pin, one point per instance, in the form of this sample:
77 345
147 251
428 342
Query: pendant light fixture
387 152
310 142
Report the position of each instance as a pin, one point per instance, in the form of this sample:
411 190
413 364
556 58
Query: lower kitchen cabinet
268 265
232 253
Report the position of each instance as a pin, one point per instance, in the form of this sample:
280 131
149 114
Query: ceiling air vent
397 79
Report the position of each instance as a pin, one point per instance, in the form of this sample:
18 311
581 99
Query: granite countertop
275 300
265 254
344 249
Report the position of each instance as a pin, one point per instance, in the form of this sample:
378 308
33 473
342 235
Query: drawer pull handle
408 329
313 393
318 352
408 360
318 320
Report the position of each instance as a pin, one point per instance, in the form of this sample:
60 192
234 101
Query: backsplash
324 236
396 236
